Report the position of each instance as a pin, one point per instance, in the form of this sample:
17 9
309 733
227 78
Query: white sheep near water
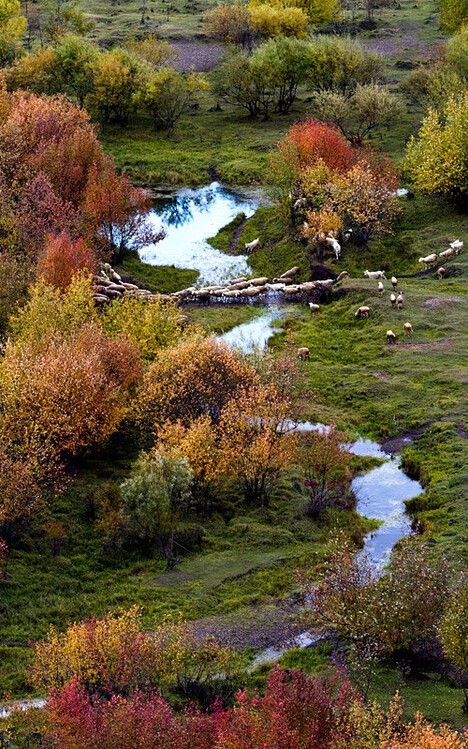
335 245
375 274
391 337
362 312
408 328
429 259
314 308
250 246
303 353
381 288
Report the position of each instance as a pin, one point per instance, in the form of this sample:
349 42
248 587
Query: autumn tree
12 27
325 461
20 495
75 58
437 160
453 14
422 735
196 378
246 82
340 64
155 499
156 52
453 633
318 12
169 94
369 109
268 20
197 444
62 258
117 76
255 446
230 22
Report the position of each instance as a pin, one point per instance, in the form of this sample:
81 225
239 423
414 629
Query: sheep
314 308
327 284
252 291
250 246
457 246
239 286
183 320
335 245
343 274
441 272
391 337
362 312
399 300
303 353
259 281
376 274
393 300
429 259
447 253
290 273
275 286
408 328
290 290
237 280
348 234
231 294
381 288
394 282
308 286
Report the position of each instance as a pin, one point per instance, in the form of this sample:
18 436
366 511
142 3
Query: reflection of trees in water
181 209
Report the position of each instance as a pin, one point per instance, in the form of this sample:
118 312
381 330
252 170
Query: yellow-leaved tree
437 160
12 26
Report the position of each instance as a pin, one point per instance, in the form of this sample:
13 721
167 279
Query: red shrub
316 140
62 258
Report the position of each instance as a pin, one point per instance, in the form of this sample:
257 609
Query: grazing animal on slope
375 274
399 300
335 246
303 354
441 272
429 259
314 308
250 246
457 246
393 300
381 288
362 312
391 337
408 328
394 282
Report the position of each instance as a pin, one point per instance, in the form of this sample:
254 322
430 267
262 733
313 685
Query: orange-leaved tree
62 258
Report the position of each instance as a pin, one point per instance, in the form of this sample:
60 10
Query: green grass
163 279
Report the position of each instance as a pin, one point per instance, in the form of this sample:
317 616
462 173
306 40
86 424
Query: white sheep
375 274
457 246
291 272
408 328
327 284
393 300
394 282
381 288
343 274
250 246
429 259
303 353
391 337
348 234
399 300
314 308
335 246
362 312
441 272
447 253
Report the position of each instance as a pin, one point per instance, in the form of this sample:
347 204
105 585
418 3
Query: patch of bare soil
201 57
396 444
443 343
381 376
436 302
258 627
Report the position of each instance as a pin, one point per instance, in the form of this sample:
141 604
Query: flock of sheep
396 298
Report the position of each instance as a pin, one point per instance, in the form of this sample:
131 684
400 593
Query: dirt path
201 57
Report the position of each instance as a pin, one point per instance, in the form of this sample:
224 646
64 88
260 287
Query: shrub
117 76
277 20
325 462
62 259
453 633
12 27
340 65
230 22
169 94
20 495
453 13
437 160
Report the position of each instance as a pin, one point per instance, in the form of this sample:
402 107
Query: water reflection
189 218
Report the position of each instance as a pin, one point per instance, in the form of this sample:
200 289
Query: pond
189 218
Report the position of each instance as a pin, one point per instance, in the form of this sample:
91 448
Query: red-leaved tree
62 258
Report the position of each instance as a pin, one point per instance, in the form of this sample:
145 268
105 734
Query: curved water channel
190 217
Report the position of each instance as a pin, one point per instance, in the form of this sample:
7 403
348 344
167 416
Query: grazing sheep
289 290
408 328
429 259
348 234
343 274
362 312
230 294
381 288
327 284
275 286
457 246
375 274
394 282
250 246
237 280
441 272
399 300
335 245
308 286
290 273
393 300
252 291
314 308
239 286
391 337
303 353
447 253
259 281
183 320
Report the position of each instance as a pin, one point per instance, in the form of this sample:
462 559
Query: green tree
12 27
437 160
277 20
117 76
369 109
155 499
168 94
453 633
287 61
341 64
457 52
245 83
453 13
75 57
